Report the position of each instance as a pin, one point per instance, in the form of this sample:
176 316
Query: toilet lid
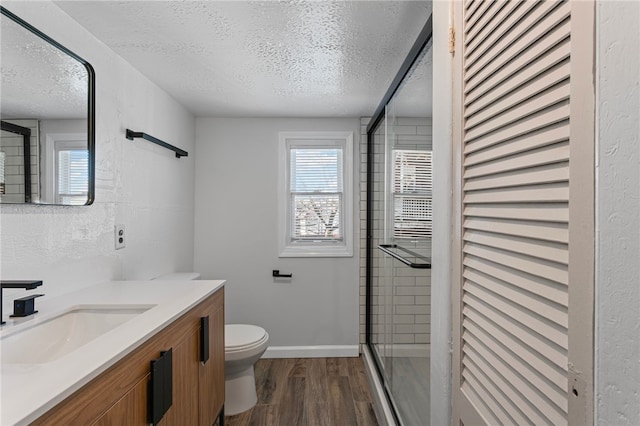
240 335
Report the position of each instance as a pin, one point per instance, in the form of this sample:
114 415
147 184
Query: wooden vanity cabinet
120 395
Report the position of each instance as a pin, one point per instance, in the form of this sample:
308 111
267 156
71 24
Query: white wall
236 227
618 214
137 184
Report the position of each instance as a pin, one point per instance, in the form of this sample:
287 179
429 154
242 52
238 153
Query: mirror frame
91 139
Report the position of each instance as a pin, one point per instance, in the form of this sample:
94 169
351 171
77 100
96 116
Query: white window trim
332 249
53 143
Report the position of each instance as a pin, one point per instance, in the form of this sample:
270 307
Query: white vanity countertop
30 390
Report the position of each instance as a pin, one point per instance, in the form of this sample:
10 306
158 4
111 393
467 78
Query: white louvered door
523 294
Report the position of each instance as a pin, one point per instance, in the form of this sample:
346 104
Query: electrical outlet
120 237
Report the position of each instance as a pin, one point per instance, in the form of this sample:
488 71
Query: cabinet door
212 372
184 410
130 410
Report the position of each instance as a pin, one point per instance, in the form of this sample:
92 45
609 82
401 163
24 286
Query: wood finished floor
309 392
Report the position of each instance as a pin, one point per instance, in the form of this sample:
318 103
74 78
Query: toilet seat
243 337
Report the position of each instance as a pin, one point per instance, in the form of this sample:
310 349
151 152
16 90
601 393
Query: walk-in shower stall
399 182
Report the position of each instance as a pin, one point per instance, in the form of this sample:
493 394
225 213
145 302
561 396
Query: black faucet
27 285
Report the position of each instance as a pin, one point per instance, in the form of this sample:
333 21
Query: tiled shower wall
412 289
13 149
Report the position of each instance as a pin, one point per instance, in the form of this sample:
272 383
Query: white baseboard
323 351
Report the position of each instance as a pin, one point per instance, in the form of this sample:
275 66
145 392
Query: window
315 194
72 169
412 183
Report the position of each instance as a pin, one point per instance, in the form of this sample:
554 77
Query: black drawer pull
160 396
204 339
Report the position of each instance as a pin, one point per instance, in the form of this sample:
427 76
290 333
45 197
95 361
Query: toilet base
240 392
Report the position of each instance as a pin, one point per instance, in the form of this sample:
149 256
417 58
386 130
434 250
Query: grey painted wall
236 238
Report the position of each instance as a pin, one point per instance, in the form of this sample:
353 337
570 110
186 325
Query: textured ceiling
272 58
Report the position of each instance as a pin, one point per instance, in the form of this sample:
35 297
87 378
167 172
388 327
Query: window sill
316 251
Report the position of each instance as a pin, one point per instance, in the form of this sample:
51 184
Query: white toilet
243 346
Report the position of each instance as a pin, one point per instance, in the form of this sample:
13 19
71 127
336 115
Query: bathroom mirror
47 148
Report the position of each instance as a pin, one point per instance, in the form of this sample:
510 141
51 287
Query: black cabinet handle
160 396
204 339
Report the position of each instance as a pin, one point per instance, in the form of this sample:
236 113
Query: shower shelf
406 256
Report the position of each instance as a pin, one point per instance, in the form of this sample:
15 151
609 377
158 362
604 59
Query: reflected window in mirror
49 90
72 167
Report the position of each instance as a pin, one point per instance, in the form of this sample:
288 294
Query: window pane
316 217
412 172
316 170
412 184
73 171
412 217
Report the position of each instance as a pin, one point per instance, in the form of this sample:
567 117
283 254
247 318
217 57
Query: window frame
287 247
64 146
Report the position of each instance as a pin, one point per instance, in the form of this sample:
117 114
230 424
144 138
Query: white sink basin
47 340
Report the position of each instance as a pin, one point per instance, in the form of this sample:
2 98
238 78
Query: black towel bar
179 152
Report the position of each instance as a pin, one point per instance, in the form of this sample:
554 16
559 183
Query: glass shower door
401 237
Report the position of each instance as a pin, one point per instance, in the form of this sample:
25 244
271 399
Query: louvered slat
542 173
509 33
475 36
549 371
532 106
513 44
543 307
498 103
555 133
548 289
546 53
556 232
472 7
498 29
537 267
547 212
529 194
525 127
531 320
513 92
537 345
539 249
478 337
493 409
528 398
483 18
503 385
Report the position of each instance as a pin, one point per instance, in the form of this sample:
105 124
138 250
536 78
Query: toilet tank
179 276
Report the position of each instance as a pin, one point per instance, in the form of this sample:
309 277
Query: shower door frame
414 54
